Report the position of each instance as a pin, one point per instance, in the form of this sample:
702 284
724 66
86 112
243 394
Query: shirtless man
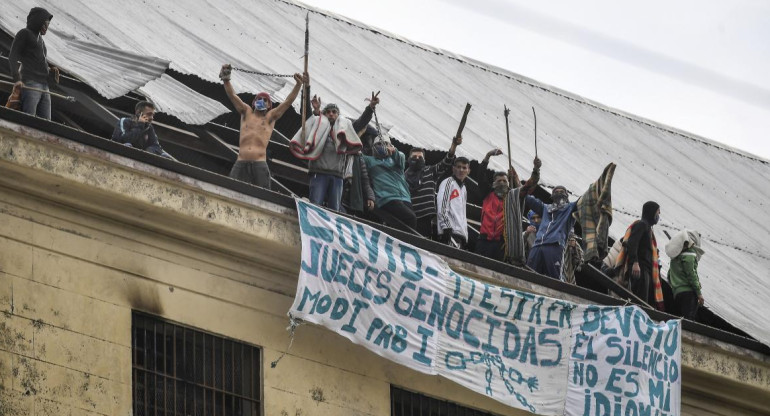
257 123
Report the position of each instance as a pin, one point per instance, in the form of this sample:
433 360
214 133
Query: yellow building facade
95 248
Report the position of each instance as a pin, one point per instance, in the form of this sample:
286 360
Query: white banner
544 355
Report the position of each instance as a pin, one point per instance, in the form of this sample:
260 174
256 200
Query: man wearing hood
422 182
329 139
29 48
685 252
257 124
545 256
638 258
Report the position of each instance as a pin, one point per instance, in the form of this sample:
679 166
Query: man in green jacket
685 252
386 171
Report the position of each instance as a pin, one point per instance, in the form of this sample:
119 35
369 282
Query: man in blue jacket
545 257
138 132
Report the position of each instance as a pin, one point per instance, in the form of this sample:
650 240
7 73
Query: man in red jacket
490 242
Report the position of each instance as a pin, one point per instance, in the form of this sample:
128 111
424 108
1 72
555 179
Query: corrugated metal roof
111 72
114 72
700 185
172 97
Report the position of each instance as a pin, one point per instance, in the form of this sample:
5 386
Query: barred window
183 371
407 403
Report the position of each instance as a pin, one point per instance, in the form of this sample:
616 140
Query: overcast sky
698 65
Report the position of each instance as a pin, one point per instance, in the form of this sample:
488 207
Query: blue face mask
260 105
380 149
657 219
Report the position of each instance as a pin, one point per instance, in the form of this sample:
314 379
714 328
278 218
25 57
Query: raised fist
224 73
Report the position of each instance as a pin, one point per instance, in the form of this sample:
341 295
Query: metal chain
248 71
377 123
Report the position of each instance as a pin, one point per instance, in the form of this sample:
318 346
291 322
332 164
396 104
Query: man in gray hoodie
28 48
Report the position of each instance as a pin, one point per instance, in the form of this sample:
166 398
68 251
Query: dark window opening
182 371
407 403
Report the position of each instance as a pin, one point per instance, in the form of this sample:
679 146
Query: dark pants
426 226
687 305
453 240
546 259
492 249
254 172
399 215
642 286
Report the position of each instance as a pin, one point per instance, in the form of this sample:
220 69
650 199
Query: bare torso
256 130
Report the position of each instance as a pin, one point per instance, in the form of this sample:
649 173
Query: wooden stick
304 97
463 120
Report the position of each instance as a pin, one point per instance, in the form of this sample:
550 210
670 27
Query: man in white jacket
452 223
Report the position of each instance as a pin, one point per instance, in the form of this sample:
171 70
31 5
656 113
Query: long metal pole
65 97
507 111
304 87
535 115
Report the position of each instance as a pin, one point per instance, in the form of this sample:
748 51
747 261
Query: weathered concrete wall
86 237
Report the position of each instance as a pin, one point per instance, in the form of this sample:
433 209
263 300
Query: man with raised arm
257 123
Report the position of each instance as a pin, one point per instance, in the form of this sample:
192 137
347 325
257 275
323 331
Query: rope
248 71
293 324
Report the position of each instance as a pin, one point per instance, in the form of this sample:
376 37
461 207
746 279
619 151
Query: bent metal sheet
544 355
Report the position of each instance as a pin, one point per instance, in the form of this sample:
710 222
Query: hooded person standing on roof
29 49
329 139
257 124
685 252
638 258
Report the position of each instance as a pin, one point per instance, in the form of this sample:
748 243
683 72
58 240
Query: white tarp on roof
699 185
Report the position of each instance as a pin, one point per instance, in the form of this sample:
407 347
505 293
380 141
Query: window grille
407 403
182 371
